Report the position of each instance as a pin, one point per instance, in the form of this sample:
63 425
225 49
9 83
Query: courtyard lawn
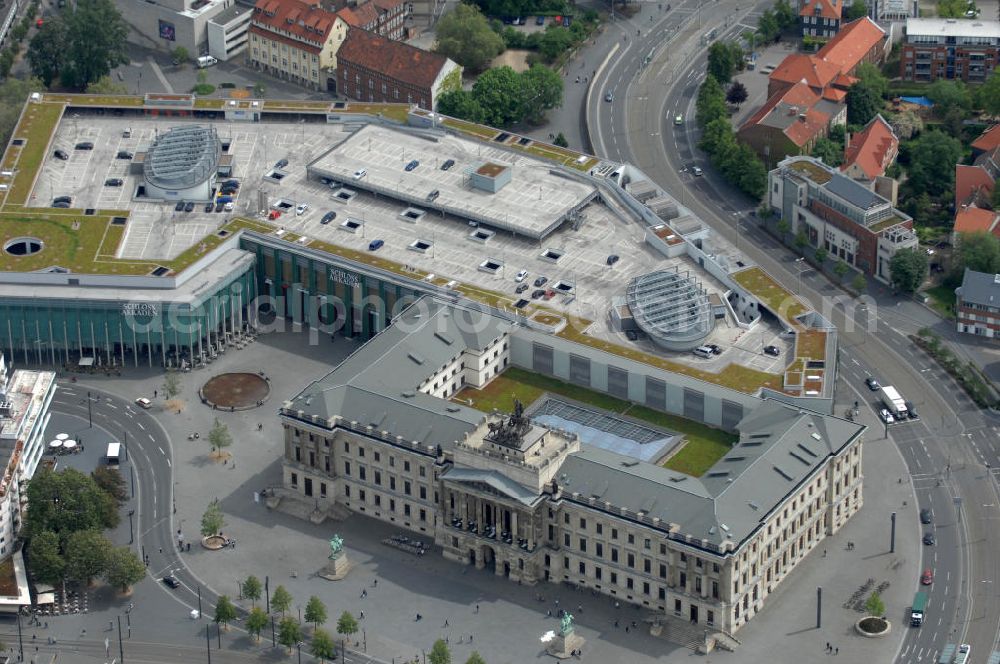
942 300
705 445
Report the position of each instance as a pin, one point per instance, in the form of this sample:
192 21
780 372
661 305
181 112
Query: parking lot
576 258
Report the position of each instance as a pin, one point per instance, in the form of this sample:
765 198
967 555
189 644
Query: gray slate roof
377 385
980 288
777 451
854 193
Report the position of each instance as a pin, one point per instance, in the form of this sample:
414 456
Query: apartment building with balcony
832 211
933 48
537 505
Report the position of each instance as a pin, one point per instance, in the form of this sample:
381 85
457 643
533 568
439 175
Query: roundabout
235 391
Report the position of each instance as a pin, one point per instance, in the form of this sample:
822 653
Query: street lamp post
131 532
798 290
90 415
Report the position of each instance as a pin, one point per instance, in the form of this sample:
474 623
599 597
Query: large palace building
379 436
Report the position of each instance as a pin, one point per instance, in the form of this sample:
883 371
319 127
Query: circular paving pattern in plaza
235 391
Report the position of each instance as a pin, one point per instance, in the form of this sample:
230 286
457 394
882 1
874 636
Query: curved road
946 451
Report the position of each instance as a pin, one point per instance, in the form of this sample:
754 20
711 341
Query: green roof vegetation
772 295
810 344
817 174
94 100
38 122
481 131
705 445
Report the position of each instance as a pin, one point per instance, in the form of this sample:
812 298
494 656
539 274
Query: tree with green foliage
111 482
281 600
251 589
460 104
874 605
841 268
783 227
908 268
873 78
736 94
541 90
47 50
44 560
800 240
440 654
212 520
346 624
717 136
219 437
561 141
202 76
952 8
465 36
859 283
256 621
67 501
315 611
322 645
475 658
745 169
785 14
988 95
498 92
105 85
289 633
723 59
555 41
947 94
768 27
830 152
87 555
124 569
95 42
711 102
259 89
863 103
932 158
821 255
181 55
979 252
225 612
857 9
171 384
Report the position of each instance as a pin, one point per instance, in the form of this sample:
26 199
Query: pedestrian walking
477 608
445 622
828 646
362 615
626 629
836 651
154 394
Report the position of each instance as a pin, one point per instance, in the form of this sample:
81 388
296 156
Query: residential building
870 151
376 69
974 183
790 123
535 504
832 211
972 219
988 140
977 304
829 72
229 31
166 24
820 18
25 396
936 48
297 41
386 18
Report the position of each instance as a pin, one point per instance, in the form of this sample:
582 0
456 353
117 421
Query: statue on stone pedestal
566 624
336 547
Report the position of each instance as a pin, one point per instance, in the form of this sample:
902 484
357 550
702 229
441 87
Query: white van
703 351
112 456
206 61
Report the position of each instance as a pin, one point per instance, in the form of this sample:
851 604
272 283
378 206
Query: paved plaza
391 586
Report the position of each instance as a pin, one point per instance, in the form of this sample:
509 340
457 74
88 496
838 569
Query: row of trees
736 161
80 45
67 511
501 96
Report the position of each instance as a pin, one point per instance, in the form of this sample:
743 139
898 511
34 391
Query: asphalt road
952 441
148 447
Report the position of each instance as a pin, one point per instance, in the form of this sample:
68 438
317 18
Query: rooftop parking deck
533 204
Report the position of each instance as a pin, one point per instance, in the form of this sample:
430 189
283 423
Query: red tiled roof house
870 151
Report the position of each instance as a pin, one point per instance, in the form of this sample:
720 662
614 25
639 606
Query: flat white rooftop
535 202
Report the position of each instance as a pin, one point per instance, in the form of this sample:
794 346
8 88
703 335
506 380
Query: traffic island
873 627
235 391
